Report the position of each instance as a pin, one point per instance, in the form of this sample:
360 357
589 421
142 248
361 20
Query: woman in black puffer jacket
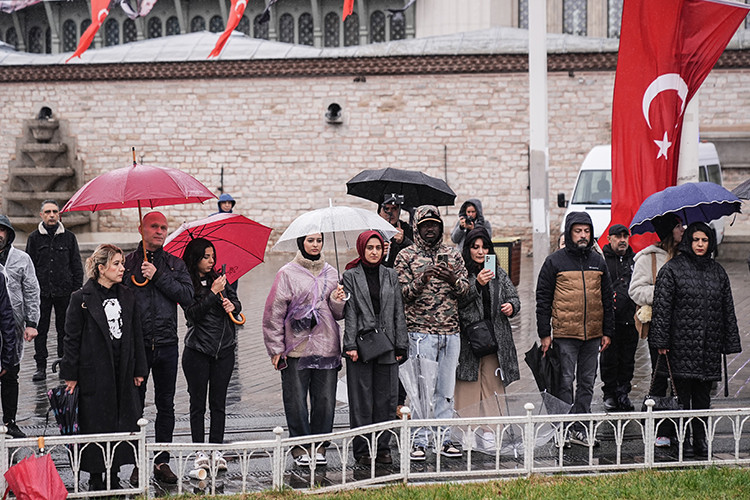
208 357
694 324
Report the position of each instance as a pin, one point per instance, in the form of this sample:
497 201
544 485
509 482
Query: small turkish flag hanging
348 8
235 15
667 48
99 11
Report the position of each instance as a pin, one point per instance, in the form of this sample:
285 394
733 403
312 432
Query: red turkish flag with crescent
99 11
348 8
667 48
235 15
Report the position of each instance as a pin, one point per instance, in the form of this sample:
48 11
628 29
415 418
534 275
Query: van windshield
594 188
710 173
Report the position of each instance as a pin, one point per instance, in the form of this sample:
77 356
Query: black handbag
481 337
371 344
663 403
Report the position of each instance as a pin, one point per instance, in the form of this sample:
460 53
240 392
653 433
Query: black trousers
207 376
162 365
40 342
9 393
617 362
373 393
694 395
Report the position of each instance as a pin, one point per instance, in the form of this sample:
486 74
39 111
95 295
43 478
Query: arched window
377 27
398 28
70 37
48 41
154 27
331 30
11 38
574 17
305 23
260 30
351 30
111 32
173 26
216 24
523 14
197 24
614 18
84 26
129 31
286 28
244 25
35 40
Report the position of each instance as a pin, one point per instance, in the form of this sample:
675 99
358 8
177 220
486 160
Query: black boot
96 482
700 445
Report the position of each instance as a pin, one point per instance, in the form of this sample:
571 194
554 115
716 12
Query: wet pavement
254 405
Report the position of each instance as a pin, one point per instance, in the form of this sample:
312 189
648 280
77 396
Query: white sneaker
581 438
663 442
320 459
303 460
219 460
201 461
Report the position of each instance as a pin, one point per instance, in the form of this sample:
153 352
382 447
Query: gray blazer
359 314
471 310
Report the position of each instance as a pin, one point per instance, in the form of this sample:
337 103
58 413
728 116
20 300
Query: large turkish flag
667 48
99 12
235 16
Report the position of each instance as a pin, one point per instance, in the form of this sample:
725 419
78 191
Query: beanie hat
664 224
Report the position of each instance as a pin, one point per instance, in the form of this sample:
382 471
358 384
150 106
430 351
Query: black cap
617 229
430 214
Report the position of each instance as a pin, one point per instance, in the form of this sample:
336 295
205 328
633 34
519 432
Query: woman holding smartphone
491 297
209 354
299 327
374 308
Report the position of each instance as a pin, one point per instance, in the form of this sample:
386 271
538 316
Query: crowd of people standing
411 296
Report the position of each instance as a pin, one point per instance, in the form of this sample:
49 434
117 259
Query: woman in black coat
209 354
693 324
105 358
374 306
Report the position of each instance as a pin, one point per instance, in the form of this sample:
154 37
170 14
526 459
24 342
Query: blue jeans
578 361
444 349
162 364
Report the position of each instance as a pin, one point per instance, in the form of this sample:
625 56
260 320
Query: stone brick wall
281 158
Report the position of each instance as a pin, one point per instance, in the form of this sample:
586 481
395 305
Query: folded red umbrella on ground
36 478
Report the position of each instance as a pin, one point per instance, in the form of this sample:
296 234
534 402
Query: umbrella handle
239 320
143 242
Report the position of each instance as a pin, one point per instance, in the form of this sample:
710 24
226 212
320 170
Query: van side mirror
561 201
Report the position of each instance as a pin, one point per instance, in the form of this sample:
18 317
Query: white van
593 189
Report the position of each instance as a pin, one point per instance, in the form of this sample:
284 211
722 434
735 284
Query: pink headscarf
362 240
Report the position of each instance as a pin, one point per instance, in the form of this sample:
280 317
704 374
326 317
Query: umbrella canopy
36 477
743 190
416 187
65 407
419 378
545 368
692 201
138 186
240 242
342 224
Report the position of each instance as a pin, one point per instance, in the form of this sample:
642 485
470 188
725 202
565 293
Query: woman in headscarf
105 358
470 217
210 341
491 297
374 308
303 340
693 325
648 262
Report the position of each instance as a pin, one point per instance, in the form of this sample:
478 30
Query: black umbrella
416 187
546 369
743 190
65 407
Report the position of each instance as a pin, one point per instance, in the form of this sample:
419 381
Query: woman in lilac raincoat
303 340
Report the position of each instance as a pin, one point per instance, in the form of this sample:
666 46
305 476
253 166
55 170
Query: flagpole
687 166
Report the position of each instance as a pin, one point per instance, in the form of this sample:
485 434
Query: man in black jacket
574 305
618 362
390 210
160 282
57 261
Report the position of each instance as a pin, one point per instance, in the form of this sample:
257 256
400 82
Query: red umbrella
240 242
138 186
36 477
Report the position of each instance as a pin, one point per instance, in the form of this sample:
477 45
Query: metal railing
518 446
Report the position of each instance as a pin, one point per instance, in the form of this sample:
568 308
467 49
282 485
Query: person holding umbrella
390 210
104 357
209 354
647 264
303 340
693 324
374 308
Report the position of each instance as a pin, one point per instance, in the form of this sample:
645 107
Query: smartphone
442 259
490 262
281 364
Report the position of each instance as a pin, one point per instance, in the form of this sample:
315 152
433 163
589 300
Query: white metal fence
519 446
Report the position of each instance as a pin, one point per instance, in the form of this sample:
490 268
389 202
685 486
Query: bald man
168 284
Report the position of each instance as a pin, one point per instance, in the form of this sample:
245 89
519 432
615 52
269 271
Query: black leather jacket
57 261
157 301
210 330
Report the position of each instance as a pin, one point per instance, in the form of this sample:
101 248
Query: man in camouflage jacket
432 278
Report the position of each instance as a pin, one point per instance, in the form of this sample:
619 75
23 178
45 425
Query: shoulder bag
663 403
481 334
372 343
642 327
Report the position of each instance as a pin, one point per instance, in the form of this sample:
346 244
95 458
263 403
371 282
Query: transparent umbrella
419 376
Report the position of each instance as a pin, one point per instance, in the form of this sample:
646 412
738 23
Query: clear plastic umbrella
419 377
